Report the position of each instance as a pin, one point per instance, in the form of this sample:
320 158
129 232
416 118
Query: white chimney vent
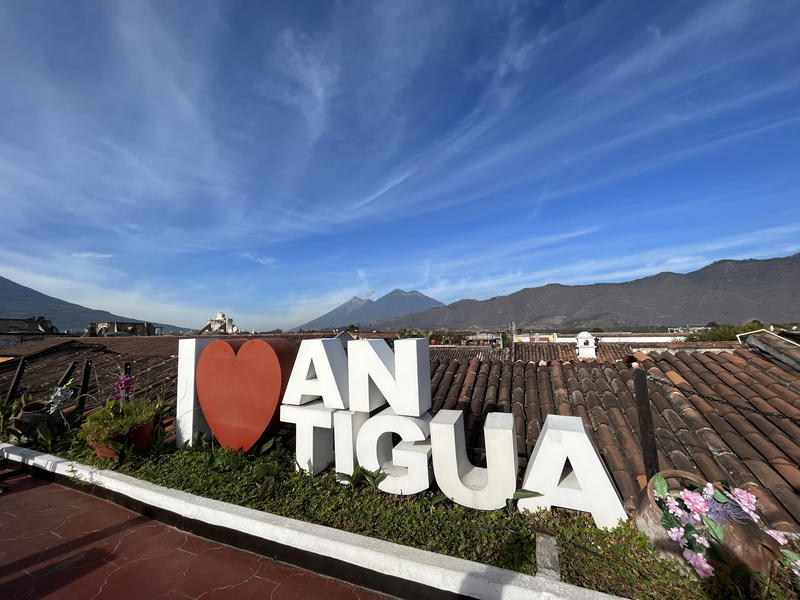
586 345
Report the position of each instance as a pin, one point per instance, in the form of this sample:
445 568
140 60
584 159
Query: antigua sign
347 406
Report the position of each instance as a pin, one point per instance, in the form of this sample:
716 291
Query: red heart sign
240 385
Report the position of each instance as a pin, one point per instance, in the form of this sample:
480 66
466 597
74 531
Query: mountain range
20 302
726 291
364 310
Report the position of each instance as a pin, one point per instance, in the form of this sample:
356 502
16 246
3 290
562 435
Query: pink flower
708 491
796 567
699 564
690 519
745 499
702 540
676 534
694 502
778 536
672 506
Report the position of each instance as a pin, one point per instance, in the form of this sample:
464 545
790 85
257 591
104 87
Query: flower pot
35 414
104 451
743 543
141 436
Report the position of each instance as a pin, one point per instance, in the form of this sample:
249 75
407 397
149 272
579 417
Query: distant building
533 338
34 324
495 340
121 328
586 345
688 329
18 331
220 325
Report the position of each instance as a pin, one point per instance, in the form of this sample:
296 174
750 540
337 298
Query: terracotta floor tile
147 578
59 543
275 571
194 544
73 576
255 588
308 585
217 568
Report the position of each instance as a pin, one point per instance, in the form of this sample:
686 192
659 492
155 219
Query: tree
723 333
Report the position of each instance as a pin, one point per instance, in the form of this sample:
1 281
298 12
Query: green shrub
722 333
116 419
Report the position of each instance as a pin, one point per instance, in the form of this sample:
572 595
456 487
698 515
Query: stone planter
743 543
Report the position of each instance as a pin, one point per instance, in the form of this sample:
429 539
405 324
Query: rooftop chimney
586 345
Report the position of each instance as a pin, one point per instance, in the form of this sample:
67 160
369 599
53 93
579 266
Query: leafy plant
10 410
511 503
113 421
373 478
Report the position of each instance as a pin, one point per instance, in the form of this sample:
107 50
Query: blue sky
167 160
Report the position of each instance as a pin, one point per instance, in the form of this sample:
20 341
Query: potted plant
124 422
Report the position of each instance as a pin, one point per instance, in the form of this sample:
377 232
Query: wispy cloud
99 255
268 261
303 75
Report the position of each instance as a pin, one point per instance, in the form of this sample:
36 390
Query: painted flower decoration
778 536
677 534
699 564
695 520
694 502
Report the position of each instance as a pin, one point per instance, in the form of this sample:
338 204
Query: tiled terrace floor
56 542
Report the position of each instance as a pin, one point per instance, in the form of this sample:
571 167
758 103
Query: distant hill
360 310
20 302
726 291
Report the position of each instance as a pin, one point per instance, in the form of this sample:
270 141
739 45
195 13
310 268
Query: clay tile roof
536 351
154 364
676 346
784 350
466 353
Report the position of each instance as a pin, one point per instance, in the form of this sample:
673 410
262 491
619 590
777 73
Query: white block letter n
403 378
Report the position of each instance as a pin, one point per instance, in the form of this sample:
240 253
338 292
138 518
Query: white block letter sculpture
566 469
377 376
346 425
320 371
407 465
313 436
460 480
190 418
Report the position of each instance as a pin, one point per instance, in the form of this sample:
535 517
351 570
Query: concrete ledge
453 577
